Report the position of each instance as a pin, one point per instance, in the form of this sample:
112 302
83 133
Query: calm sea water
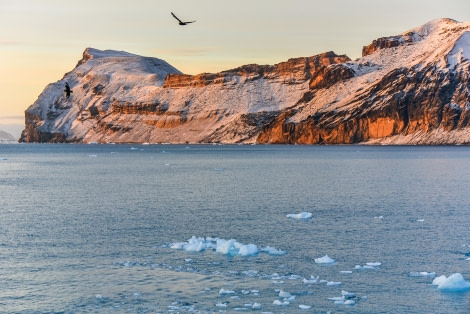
89 228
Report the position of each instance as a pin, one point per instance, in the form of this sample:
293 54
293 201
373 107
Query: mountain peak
434 26
434 29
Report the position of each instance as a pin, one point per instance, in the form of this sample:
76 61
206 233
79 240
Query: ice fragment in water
302 215
453 283
333 283
422 274
277 302
324 260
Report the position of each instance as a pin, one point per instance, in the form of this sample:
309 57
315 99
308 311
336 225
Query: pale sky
41 40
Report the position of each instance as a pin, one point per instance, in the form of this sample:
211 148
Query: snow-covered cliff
412 88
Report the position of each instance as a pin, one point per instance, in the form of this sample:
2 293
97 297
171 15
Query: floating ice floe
284 294
334 283
371 265
312 279
302 215
256 306
304 307
226 247
281 303
324 260
272 251
223 291
422 274
453 283
346 298
253 306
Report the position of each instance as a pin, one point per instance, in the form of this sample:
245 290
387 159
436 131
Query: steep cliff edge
412 88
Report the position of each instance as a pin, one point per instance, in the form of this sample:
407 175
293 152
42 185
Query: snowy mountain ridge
412 88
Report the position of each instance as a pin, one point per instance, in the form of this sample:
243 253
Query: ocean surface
106 228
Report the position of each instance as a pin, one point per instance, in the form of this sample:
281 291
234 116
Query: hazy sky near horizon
41 40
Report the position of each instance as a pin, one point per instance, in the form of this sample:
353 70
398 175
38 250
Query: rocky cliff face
407 89
412 88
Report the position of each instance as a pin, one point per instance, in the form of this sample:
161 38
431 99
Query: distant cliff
411 88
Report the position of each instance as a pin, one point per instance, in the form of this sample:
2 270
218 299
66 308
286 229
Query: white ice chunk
248 250
454 283
438 280
337 299
221 305
372 265
178 245
324 260
256 306
347 295
277 302
334 283
223 291
284 294
304 307
294 277
422 274
195 245
302 215
309 281
226 247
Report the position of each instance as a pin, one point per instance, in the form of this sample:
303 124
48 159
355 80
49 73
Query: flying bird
181 22
67 90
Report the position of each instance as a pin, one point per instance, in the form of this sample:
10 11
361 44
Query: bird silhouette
67 90
181 22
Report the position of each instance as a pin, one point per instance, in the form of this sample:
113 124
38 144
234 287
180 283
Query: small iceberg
222 291
302 215
324 260
453 283
334 283
370 265
281 303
